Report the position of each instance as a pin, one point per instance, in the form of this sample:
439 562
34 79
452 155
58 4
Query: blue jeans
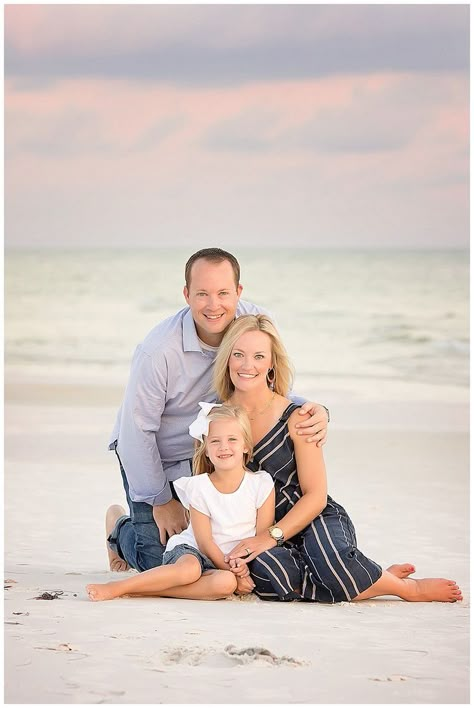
136 538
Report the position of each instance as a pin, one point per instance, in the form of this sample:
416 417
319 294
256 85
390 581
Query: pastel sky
340 126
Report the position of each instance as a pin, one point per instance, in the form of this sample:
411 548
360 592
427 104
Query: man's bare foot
117 564
402 570
432 590
101 591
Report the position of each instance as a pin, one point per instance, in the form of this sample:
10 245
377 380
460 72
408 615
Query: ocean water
361 322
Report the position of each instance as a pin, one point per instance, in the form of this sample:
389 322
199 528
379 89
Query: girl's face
250 360
225 445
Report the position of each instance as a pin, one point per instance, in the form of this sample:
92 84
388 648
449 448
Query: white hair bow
200 426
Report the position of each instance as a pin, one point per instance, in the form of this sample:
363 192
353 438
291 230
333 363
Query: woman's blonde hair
201 463
280 362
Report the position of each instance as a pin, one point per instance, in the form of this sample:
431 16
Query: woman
311 553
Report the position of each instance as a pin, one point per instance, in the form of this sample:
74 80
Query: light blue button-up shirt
170 374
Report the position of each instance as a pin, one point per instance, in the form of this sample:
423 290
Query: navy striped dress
322 562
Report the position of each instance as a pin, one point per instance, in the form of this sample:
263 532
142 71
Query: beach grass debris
394 677
55 595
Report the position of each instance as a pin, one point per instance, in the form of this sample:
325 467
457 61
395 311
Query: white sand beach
406 488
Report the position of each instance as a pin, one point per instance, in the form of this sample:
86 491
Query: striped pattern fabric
322 562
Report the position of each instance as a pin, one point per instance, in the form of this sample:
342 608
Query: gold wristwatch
277 534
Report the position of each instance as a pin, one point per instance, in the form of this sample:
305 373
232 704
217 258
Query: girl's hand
239 567
250 548
244 586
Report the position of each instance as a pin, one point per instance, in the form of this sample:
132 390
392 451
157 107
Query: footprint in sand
227 657
251 654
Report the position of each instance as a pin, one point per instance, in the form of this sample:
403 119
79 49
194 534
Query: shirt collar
190 338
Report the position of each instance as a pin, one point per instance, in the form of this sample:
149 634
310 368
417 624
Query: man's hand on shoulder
170 518
316 427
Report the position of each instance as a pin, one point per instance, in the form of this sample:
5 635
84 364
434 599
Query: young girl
226 503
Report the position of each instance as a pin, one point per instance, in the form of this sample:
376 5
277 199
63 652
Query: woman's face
250 360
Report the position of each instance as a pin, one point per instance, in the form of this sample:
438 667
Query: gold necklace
263 409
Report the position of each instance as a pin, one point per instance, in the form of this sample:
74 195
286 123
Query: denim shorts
183 549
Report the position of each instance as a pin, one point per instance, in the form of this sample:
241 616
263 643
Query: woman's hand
315 427
250 548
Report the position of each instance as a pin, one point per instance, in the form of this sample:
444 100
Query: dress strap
288 411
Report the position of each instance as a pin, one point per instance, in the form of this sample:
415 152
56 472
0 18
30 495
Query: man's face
213 298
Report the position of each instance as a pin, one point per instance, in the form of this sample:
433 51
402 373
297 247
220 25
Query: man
170 373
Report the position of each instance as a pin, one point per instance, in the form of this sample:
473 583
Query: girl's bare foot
116 563
431 590
402 570
101 591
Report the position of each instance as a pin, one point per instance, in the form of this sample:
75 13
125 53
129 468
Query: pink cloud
104 151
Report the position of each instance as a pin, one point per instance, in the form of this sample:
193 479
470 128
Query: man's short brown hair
213 255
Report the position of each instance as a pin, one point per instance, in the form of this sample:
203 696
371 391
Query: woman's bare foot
101 591
402 570
431 590
116 563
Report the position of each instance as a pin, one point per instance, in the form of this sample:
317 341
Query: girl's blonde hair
280 362
201 463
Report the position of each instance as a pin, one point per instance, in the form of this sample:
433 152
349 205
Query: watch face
277 533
